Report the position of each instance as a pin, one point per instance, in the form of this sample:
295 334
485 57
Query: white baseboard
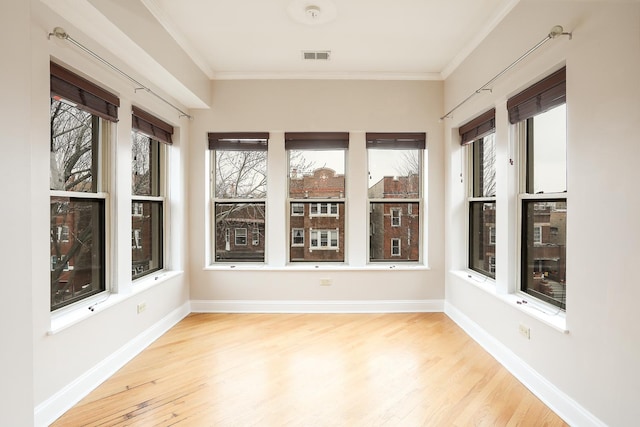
365 306
52 408
563 405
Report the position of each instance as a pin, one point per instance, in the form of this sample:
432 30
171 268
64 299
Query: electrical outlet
326 282
525 331
142 307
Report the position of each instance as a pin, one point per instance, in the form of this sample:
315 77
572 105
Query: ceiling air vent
316 55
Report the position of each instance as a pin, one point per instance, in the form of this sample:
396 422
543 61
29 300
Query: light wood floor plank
312 370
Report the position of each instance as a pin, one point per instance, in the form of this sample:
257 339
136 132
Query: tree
409 163
73 142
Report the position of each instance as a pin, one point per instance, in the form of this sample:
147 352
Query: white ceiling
374 39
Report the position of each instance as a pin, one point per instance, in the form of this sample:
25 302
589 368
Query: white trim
373 306
52 408
319 75
559 402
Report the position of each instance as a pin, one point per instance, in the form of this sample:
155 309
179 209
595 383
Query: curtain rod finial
557 31
59 32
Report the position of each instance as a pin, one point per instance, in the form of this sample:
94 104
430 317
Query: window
149 140
540 115
136 208
537 234
324 239
297 209
136 240
395 184
316 185
479 137
81 113
239 192
241 236
395 247
324 209
297 237
395 217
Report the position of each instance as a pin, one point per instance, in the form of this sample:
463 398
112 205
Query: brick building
394 227
316 228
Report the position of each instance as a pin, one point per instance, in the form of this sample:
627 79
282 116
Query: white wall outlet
326 282
142 307
525 331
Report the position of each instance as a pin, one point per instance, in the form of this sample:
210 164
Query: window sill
318 267
546 314
91 306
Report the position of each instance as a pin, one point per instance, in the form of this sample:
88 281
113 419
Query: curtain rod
556 31
62 34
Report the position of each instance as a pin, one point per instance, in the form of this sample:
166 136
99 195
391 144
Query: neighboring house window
239 194
537 234
540 115
136 239
149 141
136 208
255 236
395 217
479 136
81 115
492 264
395 247
316 184
297 237
395 162
297 209
324 239
324 209
241 236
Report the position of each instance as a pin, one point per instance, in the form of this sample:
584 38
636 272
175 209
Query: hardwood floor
312 370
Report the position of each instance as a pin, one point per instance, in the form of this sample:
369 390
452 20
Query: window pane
146 239
544 250
232 222
547 151
145 165
318 174
484 167
325 231
77 263
392 221
240 174
482 249
74 138
394 174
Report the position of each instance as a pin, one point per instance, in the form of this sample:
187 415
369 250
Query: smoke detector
312 12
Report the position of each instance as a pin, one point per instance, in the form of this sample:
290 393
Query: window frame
476 197
101 140
322 208
540 98
395 141
156 200
239 142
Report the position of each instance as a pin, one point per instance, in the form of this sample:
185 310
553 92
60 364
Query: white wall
16 355
595 363
72 360
304 105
